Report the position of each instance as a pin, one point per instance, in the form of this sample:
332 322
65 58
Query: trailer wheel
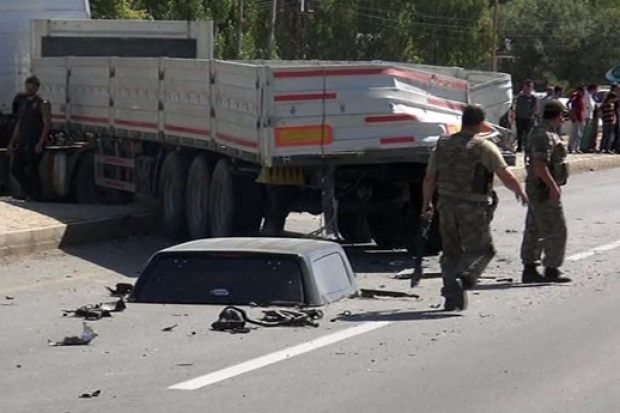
236 204
197 199
172 179
353 227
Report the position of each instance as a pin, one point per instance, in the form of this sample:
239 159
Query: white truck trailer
232 147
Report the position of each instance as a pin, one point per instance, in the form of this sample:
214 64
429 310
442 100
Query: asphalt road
518 348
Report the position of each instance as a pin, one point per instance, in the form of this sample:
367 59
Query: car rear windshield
220 278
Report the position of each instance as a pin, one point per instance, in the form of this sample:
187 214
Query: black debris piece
507 280
120 290
90 395
9 298
385 293
234 319
94 312
168 329
88 334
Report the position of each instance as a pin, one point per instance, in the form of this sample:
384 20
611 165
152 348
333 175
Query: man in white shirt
591 128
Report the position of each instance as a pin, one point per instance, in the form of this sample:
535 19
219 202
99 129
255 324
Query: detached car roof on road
241 271
299 246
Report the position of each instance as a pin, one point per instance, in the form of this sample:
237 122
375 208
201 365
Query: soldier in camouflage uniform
461 171
545 226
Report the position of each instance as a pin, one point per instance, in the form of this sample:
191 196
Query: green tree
118 9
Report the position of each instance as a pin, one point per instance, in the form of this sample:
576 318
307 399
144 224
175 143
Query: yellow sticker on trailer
304 136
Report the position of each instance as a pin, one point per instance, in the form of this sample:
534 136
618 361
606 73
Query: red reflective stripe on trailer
136 123
445 104
92 119
238 141
318 72
396 140
305 96
416 76
184 129
390 118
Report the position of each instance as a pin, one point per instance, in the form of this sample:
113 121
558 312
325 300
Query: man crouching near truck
461 169
29 138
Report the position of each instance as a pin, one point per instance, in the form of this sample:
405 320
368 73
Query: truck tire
236 204
353 227
173 180
197 198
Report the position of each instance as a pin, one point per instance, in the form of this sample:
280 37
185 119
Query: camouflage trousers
466 240
545 231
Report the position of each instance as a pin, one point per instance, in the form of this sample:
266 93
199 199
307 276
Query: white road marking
278 356
597 250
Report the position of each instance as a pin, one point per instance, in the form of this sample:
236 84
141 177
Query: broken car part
364 293
88 334
247 271
120 290
93 312
234 318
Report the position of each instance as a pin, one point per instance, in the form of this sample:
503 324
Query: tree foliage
569 41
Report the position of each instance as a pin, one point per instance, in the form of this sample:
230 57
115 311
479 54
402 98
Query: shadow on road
508 286
126 257
397 316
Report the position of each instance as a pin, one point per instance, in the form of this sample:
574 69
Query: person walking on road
545 225
461 169
524 111
29 138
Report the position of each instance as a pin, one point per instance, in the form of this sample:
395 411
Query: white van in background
15 38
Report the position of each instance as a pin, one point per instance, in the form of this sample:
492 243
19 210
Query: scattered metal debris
234 319
168 329
94 312
88 334
121 290
364 293
96 393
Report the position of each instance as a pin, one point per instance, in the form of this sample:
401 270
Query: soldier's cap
33 80
553 109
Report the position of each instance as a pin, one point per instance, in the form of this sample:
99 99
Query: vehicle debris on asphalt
120 290
234 319
366 293
94 312
168 329
88 334
96 393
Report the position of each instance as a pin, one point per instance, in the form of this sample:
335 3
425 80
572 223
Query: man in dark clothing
615 146
29 137
524 111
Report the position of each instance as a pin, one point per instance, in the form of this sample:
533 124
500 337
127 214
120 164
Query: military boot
456 299
554 275
531 275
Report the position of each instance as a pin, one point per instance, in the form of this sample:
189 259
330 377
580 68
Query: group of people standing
461 170
583 108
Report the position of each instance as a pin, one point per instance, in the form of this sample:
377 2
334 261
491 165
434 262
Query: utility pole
240 29
272 29
494 36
